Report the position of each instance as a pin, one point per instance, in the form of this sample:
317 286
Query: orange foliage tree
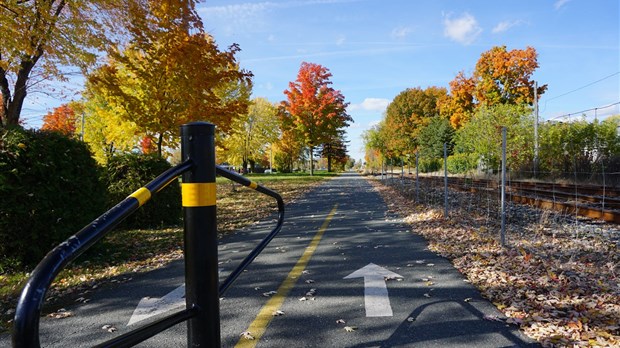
171 72
505 77
62 119
459 105
146 145
501 77
317 112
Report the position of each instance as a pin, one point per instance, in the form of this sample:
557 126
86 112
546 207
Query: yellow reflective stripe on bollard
198 194
142 195
253 185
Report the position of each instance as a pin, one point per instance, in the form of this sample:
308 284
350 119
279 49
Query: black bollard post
199 209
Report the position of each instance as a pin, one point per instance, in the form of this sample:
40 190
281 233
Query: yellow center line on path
264 317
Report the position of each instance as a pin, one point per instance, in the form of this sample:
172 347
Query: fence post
199 211
445 180
417 179
503 227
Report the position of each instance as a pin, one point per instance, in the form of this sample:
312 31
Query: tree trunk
311 160
252 166
329 163
160 140
6 97
13 108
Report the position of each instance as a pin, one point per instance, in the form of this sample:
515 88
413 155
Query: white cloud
505 25
340 40
371 104
251 9
558 4
248 16
400 32
464 29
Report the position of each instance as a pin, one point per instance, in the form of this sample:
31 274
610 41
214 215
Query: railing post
199 210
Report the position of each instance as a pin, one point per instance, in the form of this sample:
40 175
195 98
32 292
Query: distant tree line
469 118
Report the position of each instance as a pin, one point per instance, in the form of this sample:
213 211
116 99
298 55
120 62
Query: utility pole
535 129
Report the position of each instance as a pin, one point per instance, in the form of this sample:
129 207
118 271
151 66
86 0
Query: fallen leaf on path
247 335
60 314
493 318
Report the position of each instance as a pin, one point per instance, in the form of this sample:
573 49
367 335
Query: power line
584 111
582 87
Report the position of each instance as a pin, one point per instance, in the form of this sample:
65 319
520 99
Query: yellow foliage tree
40 39
106 131
252 134
171 73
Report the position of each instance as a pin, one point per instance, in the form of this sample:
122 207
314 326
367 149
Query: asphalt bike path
343 272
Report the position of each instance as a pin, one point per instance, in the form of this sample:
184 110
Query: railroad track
596 202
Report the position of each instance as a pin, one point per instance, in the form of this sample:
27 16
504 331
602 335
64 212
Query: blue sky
377 48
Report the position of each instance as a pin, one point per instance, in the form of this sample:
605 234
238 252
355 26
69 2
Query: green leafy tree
433 136
375 148
335 150
409 112
482 135
578 146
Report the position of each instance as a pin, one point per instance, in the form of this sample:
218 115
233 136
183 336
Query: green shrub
128 172
429 165
462 163
50 189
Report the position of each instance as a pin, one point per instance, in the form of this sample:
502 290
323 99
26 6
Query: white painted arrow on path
376 296
152 306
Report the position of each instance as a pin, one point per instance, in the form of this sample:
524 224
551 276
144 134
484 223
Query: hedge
50 188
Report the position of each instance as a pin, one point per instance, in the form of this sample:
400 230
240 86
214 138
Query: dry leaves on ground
558 278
